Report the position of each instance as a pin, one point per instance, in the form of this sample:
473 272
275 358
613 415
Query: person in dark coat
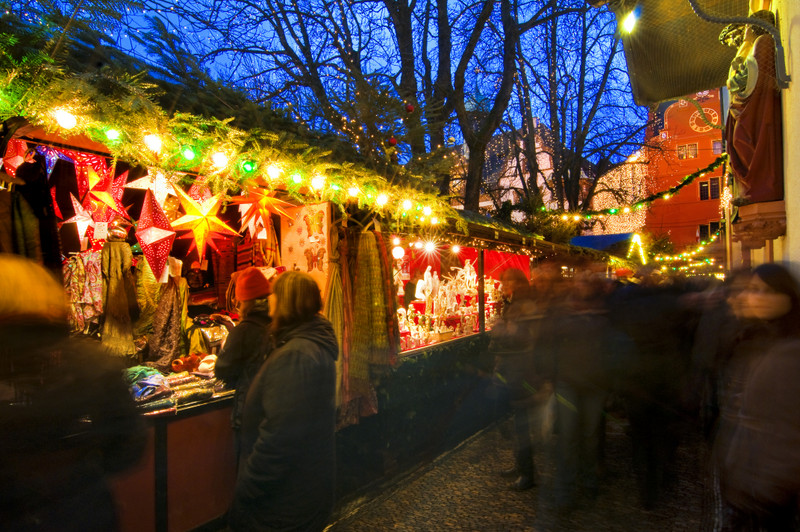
248 344
286 476
757 447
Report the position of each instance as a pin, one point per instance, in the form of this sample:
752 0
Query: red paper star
155 234
16 154
201 219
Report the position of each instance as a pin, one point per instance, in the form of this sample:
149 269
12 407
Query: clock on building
697 123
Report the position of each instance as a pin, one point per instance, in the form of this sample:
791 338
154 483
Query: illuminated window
716 147
687 151
704 190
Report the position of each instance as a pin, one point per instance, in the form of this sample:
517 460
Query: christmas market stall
148 218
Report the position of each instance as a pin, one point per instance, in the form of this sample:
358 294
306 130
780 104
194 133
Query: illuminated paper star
107 198
261 204
155 234
201 219
155 181
82 217
51 157
16 154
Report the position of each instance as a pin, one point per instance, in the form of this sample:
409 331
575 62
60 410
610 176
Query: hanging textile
83 282
119 299
148 292
168 340
338 310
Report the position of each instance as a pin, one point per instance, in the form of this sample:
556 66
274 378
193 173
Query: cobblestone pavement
461 490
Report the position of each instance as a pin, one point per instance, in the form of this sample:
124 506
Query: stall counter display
446 307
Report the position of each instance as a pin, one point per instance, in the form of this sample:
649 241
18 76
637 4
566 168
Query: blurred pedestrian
515 382
247 344
758 444
69 421
286 475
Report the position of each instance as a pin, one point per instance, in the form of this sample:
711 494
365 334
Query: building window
714 187
687 151
713 227
702 232
704 190
716 147
709 189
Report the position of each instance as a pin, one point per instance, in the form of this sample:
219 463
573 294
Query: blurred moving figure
584 355
286 475
515 382
67 417
758 442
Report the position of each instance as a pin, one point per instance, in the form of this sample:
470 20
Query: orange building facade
686 142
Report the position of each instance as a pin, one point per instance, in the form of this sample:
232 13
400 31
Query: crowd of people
672 356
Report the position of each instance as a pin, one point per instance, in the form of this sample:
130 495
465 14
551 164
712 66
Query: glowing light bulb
318 182
626 210
274 171
456 248
353 191
430 247
188 153
219 160
629 22
153 143
65 119
398 252
113 134
418 244
434 220
426 211
297 178
382 199
406 204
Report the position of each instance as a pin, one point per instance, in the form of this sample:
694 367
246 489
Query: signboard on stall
304 240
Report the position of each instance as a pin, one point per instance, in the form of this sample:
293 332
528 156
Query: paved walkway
462 491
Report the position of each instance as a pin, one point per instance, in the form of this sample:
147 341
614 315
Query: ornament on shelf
155 234
201 219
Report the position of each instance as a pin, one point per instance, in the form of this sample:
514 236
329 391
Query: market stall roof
600 242
671 51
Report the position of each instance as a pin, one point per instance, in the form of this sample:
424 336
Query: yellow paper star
262 203
201 219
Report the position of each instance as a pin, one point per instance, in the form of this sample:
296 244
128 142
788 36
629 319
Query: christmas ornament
51 157
201 219
409 108
155 234
82 217
155 181
392 141
260 203
16 154
199 190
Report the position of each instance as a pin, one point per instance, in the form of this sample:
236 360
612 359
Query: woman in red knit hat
248 344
